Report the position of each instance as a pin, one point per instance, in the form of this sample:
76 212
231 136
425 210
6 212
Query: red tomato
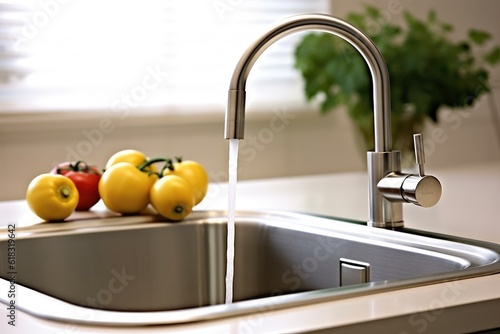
86 179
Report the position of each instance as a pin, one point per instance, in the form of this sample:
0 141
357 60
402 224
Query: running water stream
233 173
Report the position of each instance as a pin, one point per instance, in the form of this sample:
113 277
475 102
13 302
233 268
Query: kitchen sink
137 270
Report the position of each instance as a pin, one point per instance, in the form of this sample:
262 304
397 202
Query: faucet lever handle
423 190
418 143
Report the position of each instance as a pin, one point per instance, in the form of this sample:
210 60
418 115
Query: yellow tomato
131 156
194 174
124 188
52 196
172 197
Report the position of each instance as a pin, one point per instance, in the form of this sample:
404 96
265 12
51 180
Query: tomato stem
168 165
76 166
65 192
179 209
79 166
149 162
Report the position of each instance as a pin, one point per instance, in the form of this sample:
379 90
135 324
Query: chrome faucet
388 187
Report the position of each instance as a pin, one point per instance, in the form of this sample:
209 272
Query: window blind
95 54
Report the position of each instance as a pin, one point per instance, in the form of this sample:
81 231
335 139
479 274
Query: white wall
298 143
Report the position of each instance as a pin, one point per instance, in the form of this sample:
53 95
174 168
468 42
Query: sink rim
45 306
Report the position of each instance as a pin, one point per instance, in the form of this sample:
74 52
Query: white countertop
469 207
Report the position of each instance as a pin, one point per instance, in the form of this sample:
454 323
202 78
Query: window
95 54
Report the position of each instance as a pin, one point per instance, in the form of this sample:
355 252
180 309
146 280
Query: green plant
428 70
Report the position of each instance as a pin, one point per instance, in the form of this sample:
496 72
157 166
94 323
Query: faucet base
382 212
387 225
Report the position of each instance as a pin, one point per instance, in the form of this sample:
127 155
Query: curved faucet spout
235 113
388 188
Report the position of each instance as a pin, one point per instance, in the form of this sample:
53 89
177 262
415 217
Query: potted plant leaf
428 71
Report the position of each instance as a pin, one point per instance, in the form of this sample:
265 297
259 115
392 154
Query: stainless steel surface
422 190
382 212
326 23
142 270
418 144
353 272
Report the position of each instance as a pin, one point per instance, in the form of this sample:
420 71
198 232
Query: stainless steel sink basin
157 272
